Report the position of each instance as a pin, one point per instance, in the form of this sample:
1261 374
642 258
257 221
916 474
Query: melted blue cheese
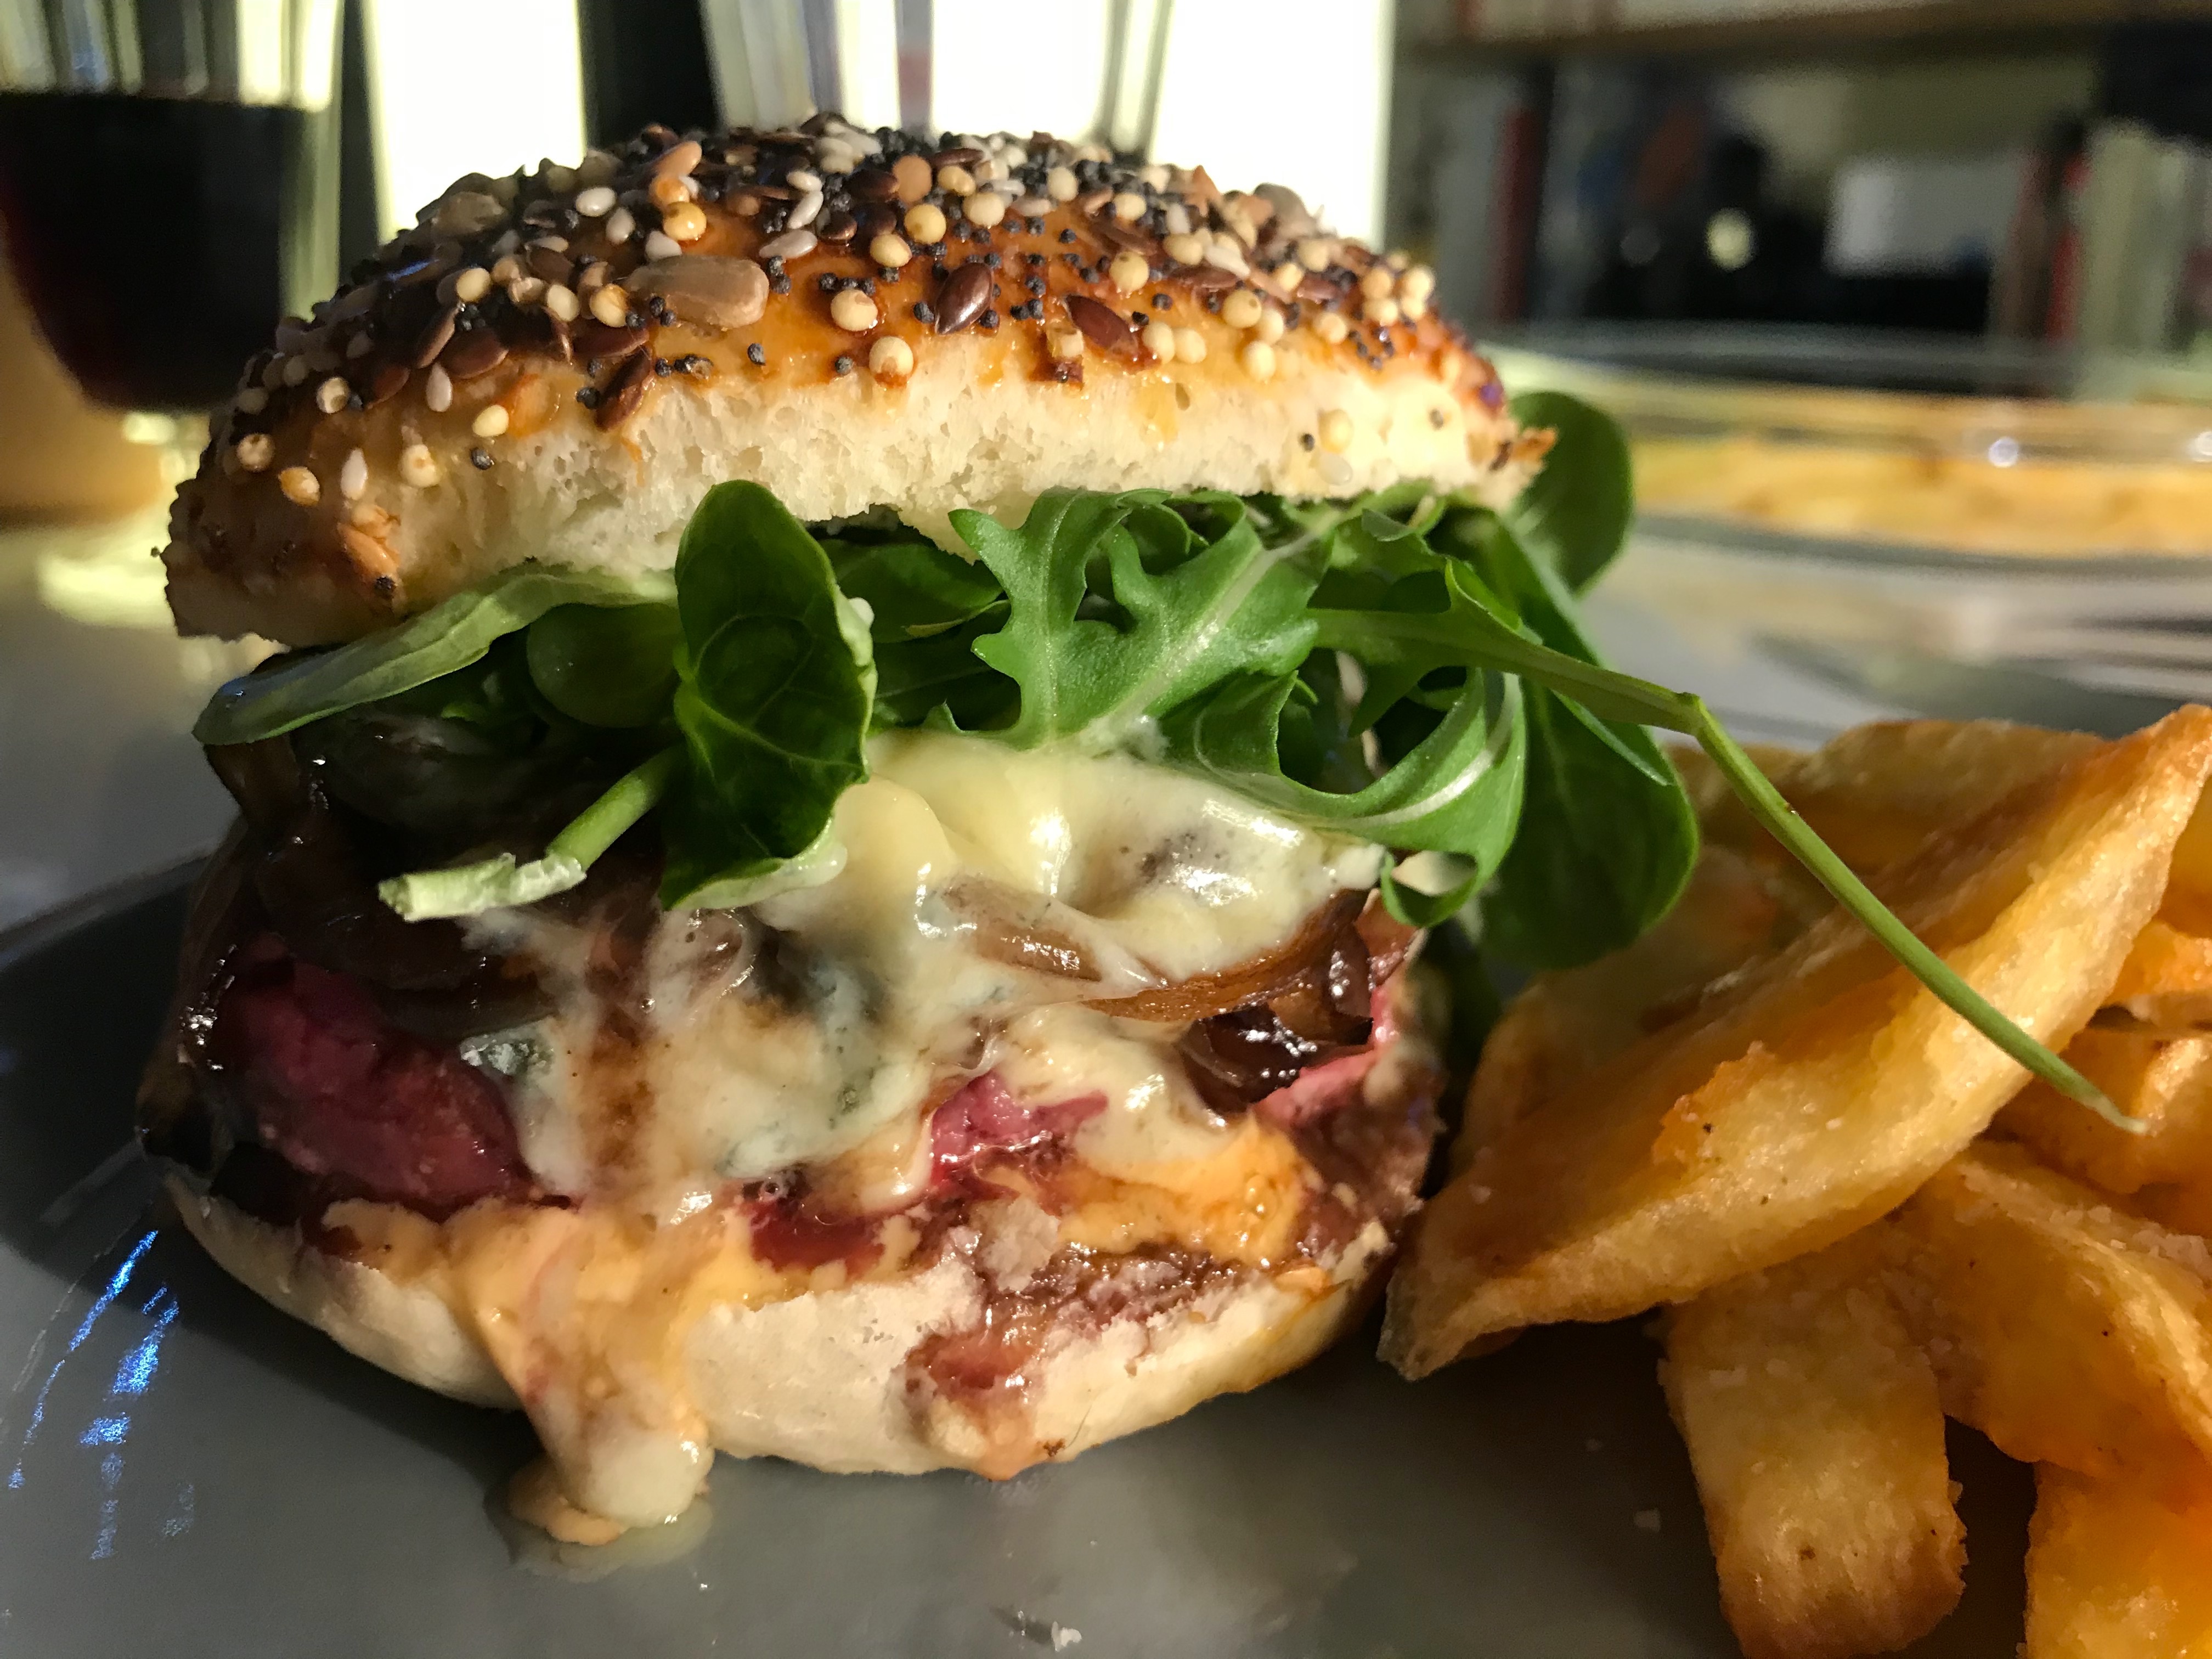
986 893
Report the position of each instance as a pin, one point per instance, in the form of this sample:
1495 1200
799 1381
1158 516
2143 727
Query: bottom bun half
826 1377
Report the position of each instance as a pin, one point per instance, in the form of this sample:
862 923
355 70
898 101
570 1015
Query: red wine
150 234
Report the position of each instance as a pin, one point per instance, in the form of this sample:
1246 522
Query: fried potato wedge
2166 1084
2068 1330
1816 1432
1567 1024
2165 987
2115 1574
1876 794
1820 1087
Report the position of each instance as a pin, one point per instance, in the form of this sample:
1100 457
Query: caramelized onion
1257 978
1008 930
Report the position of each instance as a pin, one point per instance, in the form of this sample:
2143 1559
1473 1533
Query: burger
834 862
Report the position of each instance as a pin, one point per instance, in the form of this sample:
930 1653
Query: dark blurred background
2030 169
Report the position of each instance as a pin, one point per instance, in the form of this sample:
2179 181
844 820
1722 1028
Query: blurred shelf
1929 27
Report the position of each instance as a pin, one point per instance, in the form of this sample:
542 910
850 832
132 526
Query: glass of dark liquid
168 184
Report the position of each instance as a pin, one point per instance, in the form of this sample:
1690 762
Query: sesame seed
330 396
659 245
804 212
491 420
853 312
801 180
526 291
418 467
300 487
1190 346
255 451
925 222
595 203
353 476
622 225
890 358
1259 359
1336 431
438 389
503 271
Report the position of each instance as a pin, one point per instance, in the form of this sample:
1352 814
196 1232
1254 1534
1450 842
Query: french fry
1876 794
1821 1086
1565 1025
2165 987
2066 1329
2166 1084
2115 1574
1814 1425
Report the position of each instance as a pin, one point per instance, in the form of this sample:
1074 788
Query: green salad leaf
1121 606
776 684
1574 515
447 637
1604 847
489 884
1404 670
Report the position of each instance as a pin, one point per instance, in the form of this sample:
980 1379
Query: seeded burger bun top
558 366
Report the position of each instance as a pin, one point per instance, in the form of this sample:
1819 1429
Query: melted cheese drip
887 982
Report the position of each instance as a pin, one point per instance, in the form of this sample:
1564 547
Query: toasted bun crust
821 1378
466 402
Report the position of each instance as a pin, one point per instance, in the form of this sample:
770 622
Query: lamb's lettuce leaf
776 684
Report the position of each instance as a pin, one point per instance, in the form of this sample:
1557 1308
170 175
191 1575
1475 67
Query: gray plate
189 1468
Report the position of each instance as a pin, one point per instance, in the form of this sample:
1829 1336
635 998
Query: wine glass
168 184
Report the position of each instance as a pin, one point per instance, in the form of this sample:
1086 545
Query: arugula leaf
450 635
1608 835
1121 606
776 684
1574 515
